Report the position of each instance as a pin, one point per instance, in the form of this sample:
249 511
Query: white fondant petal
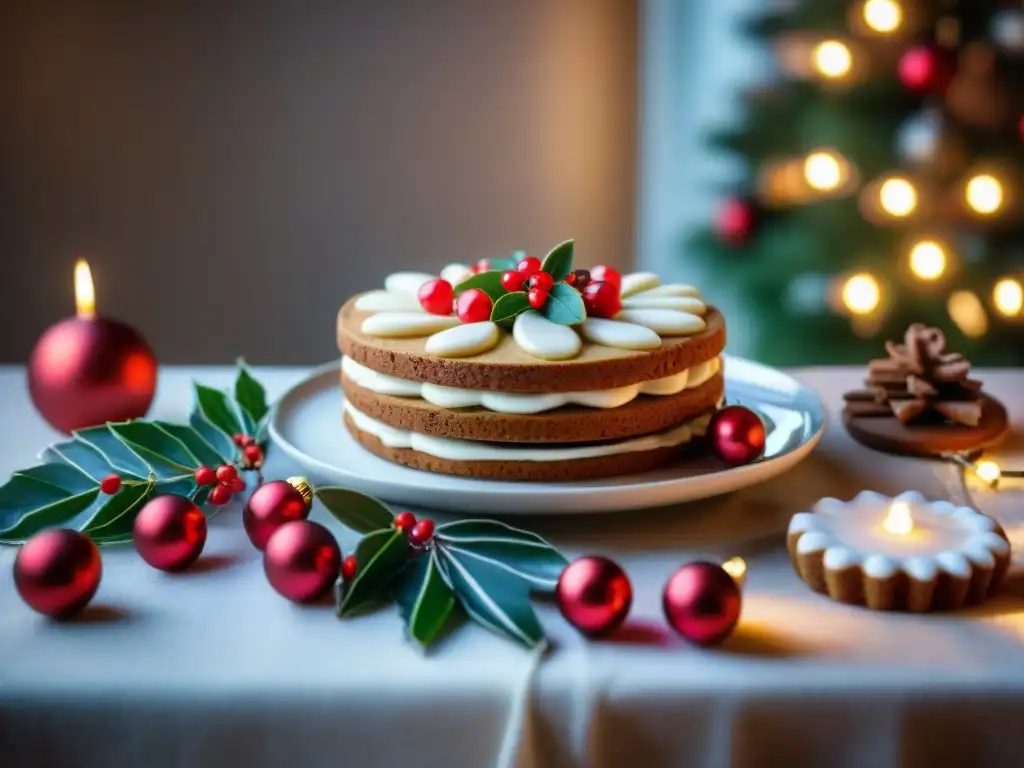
406 282
672 289
880 566
954 563
911 497
830 506
991 541
838 557
385 301
869 500
921 568
464 340
681 303
613 333
804 521
406 324
637 282
667 322
813 541
540 337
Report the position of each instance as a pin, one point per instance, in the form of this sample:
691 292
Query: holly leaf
491 596
558 262
488 282
250 396
115 517
425 600
30 503
83 457
355 510
223 443
564 305
375 575
521 553
203 452
216 407
509 306
118 455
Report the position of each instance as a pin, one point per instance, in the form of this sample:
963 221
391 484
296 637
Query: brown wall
233 170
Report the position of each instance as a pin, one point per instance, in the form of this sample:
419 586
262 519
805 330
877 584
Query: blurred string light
897 197
1008 297
832 59
883 16
966 310
928 260
861 294
984 193
824 170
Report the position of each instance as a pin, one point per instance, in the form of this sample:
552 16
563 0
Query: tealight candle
902 553
88 370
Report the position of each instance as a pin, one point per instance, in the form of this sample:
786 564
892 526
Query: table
211 668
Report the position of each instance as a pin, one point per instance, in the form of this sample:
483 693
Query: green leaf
564 305
424 598
67 479
521 553
84 458
250 396
375 575
492 597
216 407
558 262
509 306
117 454
117 514
488 282
223 443
28 505
206 454
153 446
355 510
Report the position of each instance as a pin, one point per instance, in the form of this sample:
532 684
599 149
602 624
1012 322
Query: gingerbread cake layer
507 368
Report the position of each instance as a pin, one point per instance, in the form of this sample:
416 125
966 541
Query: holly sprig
481 569
150 457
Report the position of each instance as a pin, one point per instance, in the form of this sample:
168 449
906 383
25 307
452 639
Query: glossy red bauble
436 296
926 68
601 299
473 306
169 532
702 603
529 265
302 560
88 371
735 221
272 505
512 280
57 572
603 274
737 434
594 595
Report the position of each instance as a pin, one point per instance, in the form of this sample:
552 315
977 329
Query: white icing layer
406 324
638 282
665 322
615 333
540 337
464 340
944 537
518 403
473 450
681 303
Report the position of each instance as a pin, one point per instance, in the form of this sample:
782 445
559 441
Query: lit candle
88 369
898 521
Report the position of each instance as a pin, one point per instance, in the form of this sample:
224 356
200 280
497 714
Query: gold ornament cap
302 485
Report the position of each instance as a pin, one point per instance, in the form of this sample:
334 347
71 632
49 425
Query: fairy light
823 171
897 197
861 294
1008 297
927 260
832 59
966 310
883 15
988 471
984 194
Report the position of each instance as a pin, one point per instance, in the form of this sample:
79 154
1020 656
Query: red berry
474 270
348 568
541 280
483 265
205 476
580 278
421 532
512 280
473 306
404 521
436 296
253 455
537 296
111 484
221 494
569 279
226 474
601 300
529 265
238 484
239 439
603 274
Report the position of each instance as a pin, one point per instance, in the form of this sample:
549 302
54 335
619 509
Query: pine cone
919 380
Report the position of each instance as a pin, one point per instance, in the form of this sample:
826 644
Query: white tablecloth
212 668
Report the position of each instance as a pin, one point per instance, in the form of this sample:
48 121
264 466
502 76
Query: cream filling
517 403
470 450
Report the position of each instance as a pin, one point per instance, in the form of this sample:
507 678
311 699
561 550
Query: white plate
307 426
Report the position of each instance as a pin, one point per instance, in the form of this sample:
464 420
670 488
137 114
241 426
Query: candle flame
737 568
85 294
898 521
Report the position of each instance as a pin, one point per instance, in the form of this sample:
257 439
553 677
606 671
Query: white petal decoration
667 322
407 325
637 282
673 289
385 301
613 333
406 282
456 273
464 340
540 337
682 303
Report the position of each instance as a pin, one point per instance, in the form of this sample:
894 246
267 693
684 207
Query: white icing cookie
456 273
682 303
614 333
464 340
637 282
666 322
385 301
672 289
540 337
407 282
406 324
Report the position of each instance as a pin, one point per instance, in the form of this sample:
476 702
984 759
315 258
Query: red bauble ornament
735 221
601 299
302 560
272 505
473 306
57 572
594 595
436 296
88 370
737 434
926 69
169 532
603 274
702 603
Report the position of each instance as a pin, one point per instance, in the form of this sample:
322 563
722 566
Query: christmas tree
883 183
